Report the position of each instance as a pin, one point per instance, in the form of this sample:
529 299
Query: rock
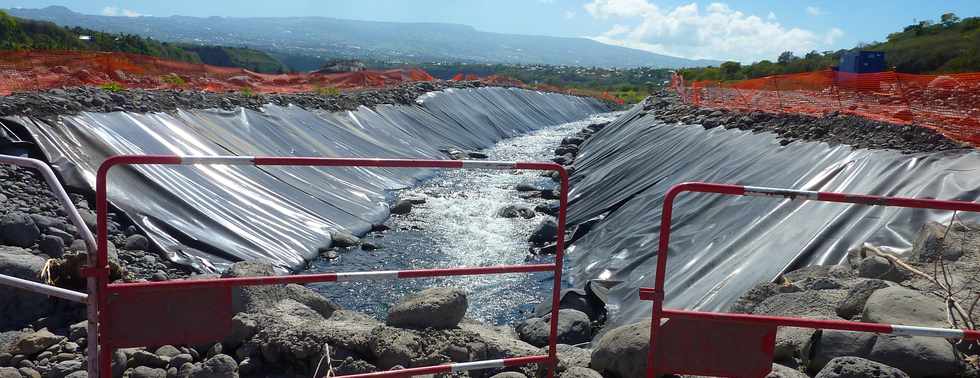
180 359
819 304
401 207
550 208
368 246
9 372
187 370
812 271
917 356
218 366
622 351
20 307
145 372
857 296
144 358
168 351
574 327
18 229
899 305
880 268
780 371
930 244
118 364
394 347
791 343
827 345
551 194
545 232
36 342
415 200
525 187
856 367
52 246
77 374
580 372
63 368
312 299
439 307
78 330
137 242
514 211
343 239
509 374
568 357
584 300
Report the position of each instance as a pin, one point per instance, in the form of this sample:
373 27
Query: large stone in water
438 307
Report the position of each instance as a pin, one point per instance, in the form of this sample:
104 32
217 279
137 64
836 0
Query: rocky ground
78 99
834 128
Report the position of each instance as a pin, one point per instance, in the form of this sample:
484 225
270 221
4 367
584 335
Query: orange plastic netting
33 70
948 104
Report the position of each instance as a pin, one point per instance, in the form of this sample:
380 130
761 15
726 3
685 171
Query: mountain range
324 38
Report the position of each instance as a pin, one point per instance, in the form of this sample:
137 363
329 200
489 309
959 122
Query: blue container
862 62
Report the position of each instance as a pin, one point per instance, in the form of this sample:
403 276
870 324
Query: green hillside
947 46
22 34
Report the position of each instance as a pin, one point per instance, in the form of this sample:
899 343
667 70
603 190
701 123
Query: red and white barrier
731 320
149 299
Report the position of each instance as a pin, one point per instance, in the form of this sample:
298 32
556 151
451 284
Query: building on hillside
341 66
862 62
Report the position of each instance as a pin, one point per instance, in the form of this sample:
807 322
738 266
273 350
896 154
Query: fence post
901 92
840 104
779 99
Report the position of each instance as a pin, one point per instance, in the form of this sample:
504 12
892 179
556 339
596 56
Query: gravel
833 128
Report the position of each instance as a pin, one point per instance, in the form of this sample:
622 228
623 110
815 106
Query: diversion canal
457 226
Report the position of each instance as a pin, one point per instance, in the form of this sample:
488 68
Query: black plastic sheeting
720 245
208 216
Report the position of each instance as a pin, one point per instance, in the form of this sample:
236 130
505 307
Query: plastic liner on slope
208 216
720 245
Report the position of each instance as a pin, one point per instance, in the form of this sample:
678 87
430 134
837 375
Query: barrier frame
656 294
100 271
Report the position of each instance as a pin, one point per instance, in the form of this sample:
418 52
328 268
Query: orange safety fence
948 104
39 70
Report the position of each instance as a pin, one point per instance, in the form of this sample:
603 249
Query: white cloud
568 14
716 31
116 11
815 11
771 16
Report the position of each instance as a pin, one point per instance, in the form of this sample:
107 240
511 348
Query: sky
746 30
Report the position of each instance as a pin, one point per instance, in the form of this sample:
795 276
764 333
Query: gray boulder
438 307
780 371
524 187
137 242
880 268
903 306
18 229
343 239
9 372
33 343
219 366
545 232
622 352
573 328
509 374
394 347
827 345
857 296
918 356
568 357
930 244
52 246
256 298
18 306
401 207
579 372
856 367
145 372
514 211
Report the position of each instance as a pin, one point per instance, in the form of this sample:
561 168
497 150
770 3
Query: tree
729 70
786 57
948 19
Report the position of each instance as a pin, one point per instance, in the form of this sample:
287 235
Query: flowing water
457 226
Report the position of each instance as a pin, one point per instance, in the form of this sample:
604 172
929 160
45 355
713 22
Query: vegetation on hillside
949 45
631 85
249 59
22 34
